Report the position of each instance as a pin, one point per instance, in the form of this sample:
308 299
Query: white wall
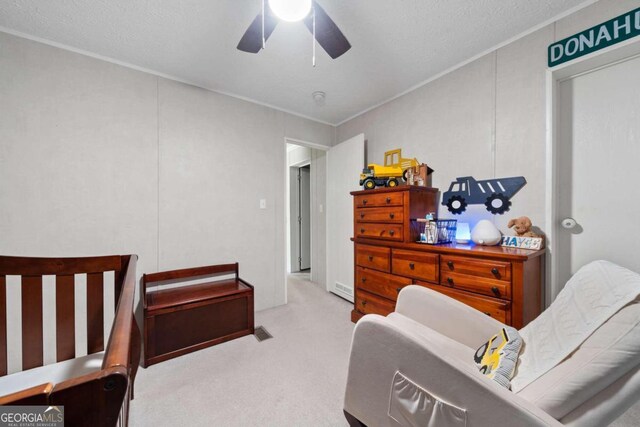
298 155
318 217
96 158
78 155
484 119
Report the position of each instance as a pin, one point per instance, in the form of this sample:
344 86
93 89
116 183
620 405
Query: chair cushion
610 352
452 348
54 373
497 357
595 293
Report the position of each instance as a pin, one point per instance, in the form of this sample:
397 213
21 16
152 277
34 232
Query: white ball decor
485 233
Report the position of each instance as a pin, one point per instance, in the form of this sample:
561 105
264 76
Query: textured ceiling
396 43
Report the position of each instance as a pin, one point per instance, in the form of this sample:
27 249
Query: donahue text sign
595 38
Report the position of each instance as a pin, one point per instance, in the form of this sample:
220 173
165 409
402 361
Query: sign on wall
604 35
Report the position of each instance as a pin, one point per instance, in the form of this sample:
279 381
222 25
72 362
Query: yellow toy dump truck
394 169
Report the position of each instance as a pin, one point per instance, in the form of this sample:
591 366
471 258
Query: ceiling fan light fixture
290 10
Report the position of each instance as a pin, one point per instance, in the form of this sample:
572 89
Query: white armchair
415 367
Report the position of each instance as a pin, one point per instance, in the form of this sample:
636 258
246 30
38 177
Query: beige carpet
296 378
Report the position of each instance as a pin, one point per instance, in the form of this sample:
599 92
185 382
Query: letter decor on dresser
504 283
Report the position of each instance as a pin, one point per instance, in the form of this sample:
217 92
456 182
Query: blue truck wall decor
495 194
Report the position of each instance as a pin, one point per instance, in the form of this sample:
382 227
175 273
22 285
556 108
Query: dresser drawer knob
364 279
495 271
412 266
361 215
398 289
370 258
388 200
495 291
450 264
391 232
450 281
488 314
391 215
364 302
361 230
364 202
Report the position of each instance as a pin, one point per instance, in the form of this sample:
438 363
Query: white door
305 217
598 171
294 215
344 165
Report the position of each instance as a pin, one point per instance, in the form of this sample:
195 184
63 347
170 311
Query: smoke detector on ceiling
319 97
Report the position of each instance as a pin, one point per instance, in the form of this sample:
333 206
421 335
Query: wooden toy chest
183 319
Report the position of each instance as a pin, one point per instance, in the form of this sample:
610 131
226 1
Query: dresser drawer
371 304
497 270
480 285
379 199
392 214
375 257
376 230
419 265
382 284
498 309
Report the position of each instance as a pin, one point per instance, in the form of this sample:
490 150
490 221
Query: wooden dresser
504 283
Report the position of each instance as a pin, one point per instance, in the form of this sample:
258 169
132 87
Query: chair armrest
447 316
380 349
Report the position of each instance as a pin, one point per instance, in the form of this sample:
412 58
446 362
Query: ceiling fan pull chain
263 41
313 39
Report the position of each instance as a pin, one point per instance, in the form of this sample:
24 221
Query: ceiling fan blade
251 41
328 34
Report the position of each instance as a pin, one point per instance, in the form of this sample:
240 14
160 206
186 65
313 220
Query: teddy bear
522 227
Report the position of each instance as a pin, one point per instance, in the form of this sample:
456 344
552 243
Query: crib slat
53 266
3 326
95 312
32 345
65 318
119 280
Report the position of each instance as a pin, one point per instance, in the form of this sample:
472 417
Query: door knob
568 223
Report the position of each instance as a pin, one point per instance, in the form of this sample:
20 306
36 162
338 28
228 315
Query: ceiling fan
324 30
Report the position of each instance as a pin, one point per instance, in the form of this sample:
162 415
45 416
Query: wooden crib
98 398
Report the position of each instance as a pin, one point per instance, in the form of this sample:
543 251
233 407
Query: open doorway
300 218
305 208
